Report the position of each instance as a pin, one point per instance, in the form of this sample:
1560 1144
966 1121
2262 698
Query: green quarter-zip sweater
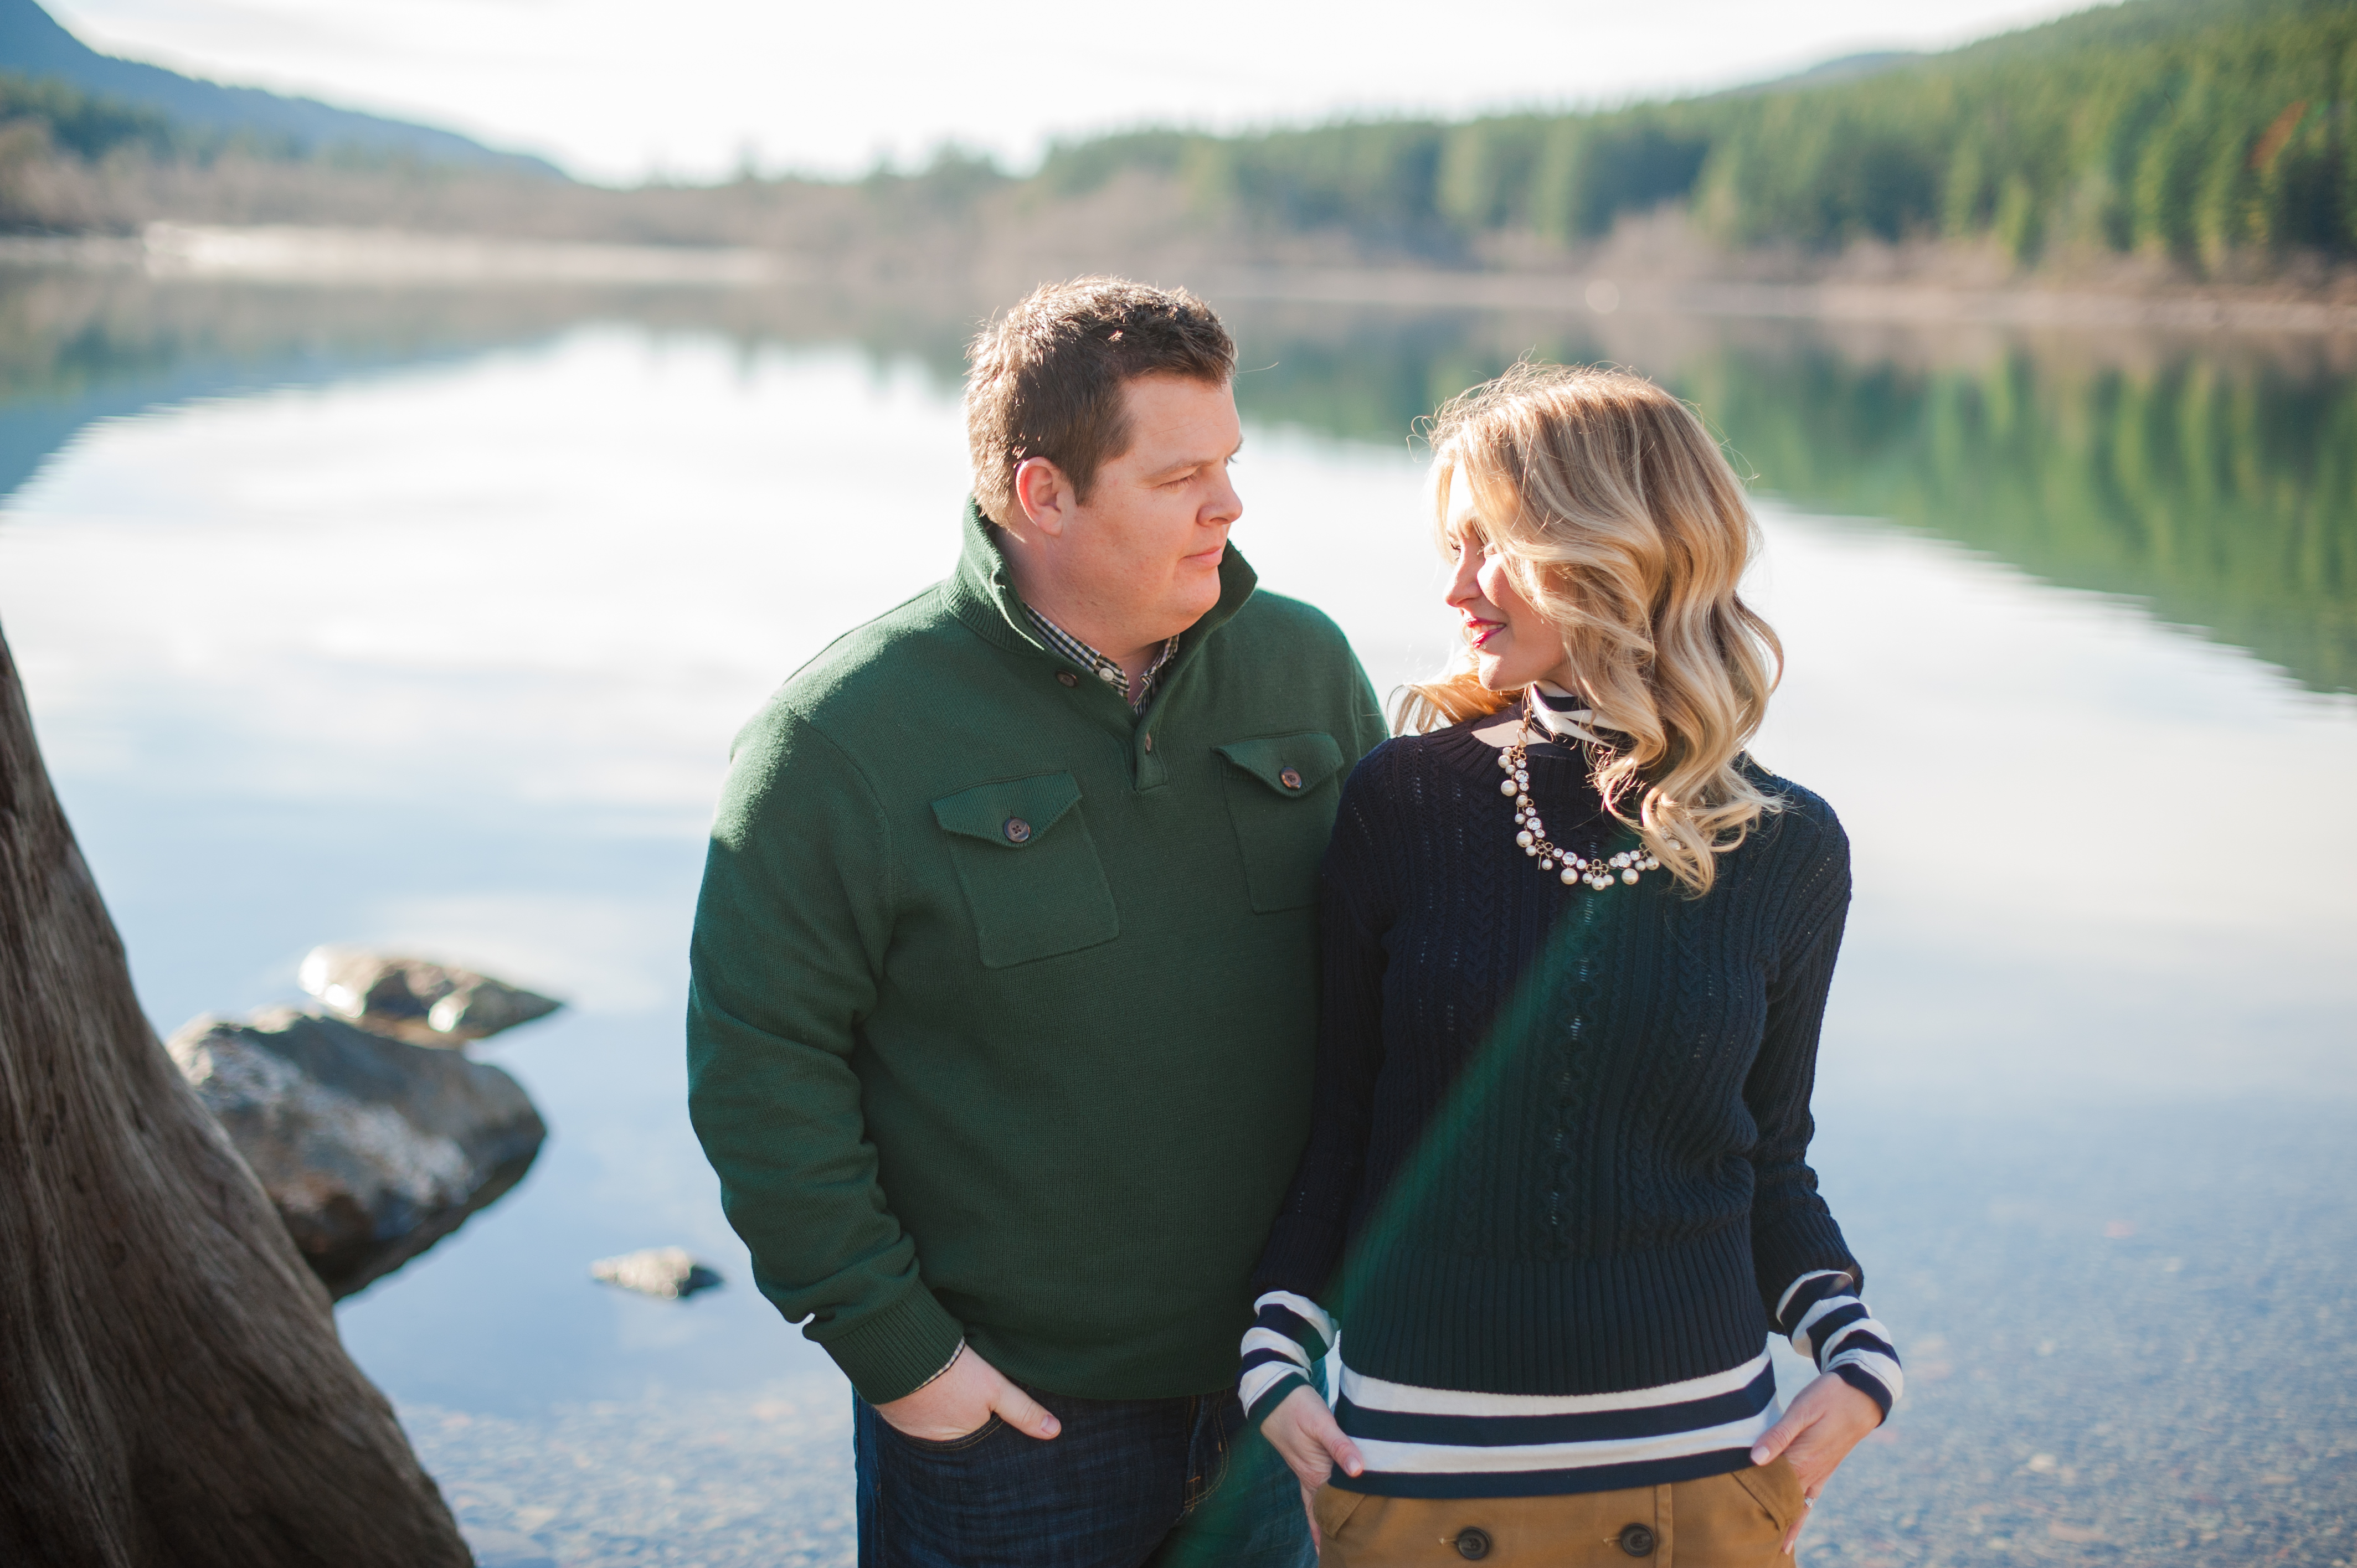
1004 997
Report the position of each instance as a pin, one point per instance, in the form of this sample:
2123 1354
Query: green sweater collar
982 594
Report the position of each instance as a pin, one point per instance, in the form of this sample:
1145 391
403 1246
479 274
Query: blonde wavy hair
1620 520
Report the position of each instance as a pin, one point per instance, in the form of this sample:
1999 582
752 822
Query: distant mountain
1848 68
32 44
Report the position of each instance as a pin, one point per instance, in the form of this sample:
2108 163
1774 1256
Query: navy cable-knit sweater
1560 1134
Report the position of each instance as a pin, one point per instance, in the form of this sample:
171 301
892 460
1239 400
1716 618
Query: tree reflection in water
2214 478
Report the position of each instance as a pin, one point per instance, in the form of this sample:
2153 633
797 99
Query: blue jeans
1169 1483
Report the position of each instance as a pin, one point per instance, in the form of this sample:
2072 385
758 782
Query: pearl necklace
1531 833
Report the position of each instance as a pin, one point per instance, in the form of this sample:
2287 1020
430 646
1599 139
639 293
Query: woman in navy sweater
1577 949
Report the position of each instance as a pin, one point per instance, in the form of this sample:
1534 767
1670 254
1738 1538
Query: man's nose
1226 505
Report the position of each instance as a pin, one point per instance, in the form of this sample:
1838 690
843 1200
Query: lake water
425 620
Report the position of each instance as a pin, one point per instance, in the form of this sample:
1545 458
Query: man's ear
1044 496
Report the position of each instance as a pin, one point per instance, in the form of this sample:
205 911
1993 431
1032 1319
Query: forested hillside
207 114
2194 129
2201 139
51 113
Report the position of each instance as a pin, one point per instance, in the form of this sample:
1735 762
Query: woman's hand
1816 1434
1302 1429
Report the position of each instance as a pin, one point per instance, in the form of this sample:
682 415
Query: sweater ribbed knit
1559 1134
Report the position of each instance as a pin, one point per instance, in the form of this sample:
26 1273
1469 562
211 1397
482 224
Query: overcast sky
616 91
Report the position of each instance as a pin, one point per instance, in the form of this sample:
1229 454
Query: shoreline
1896 304
288 253
306 254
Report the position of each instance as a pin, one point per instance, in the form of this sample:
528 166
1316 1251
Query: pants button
1473 1544
1637 1540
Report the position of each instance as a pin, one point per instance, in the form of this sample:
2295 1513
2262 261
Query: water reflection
2221 490
2215 480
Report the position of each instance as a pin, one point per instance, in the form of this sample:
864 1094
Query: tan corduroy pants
1735 1520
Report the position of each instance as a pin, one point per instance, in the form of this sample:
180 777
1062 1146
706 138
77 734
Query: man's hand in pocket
963 1400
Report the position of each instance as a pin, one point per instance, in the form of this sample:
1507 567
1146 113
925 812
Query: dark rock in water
413 1000
373 1150
657 1271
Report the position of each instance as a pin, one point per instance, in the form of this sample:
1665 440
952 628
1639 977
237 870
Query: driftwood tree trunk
173 1394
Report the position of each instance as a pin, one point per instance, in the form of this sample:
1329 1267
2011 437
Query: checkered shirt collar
1108 671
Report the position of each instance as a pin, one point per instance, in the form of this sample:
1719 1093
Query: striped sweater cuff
1289 1336
1827 1322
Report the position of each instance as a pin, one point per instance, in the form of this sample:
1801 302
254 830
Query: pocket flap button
1290 778
1473 1544
1637 1540
1020 831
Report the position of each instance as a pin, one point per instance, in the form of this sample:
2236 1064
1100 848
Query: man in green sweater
1003 973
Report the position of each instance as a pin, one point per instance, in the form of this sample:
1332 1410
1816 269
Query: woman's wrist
1870 1385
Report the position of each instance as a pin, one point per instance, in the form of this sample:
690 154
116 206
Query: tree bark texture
173 1394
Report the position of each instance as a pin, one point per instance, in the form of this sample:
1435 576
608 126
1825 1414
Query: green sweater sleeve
1369 729
791 931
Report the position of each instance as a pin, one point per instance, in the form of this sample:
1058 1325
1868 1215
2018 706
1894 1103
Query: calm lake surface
425 620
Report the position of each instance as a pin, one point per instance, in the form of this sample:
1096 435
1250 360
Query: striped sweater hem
1446 1443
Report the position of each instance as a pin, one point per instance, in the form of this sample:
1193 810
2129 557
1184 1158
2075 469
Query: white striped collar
1565 716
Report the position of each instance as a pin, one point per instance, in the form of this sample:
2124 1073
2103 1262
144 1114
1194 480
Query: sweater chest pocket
1028 868
1281 791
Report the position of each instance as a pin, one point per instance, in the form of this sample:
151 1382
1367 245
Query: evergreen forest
2200 130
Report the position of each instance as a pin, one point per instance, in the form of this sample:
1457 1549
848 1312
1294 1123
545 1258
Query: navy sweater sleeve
1808 1279
1792 1231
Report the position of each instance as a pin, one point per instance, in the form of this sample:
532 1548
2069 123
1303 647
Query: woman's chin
1492 674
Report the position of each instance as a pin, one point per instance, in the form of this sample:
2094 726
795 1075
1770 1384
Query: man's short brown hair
1047 377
